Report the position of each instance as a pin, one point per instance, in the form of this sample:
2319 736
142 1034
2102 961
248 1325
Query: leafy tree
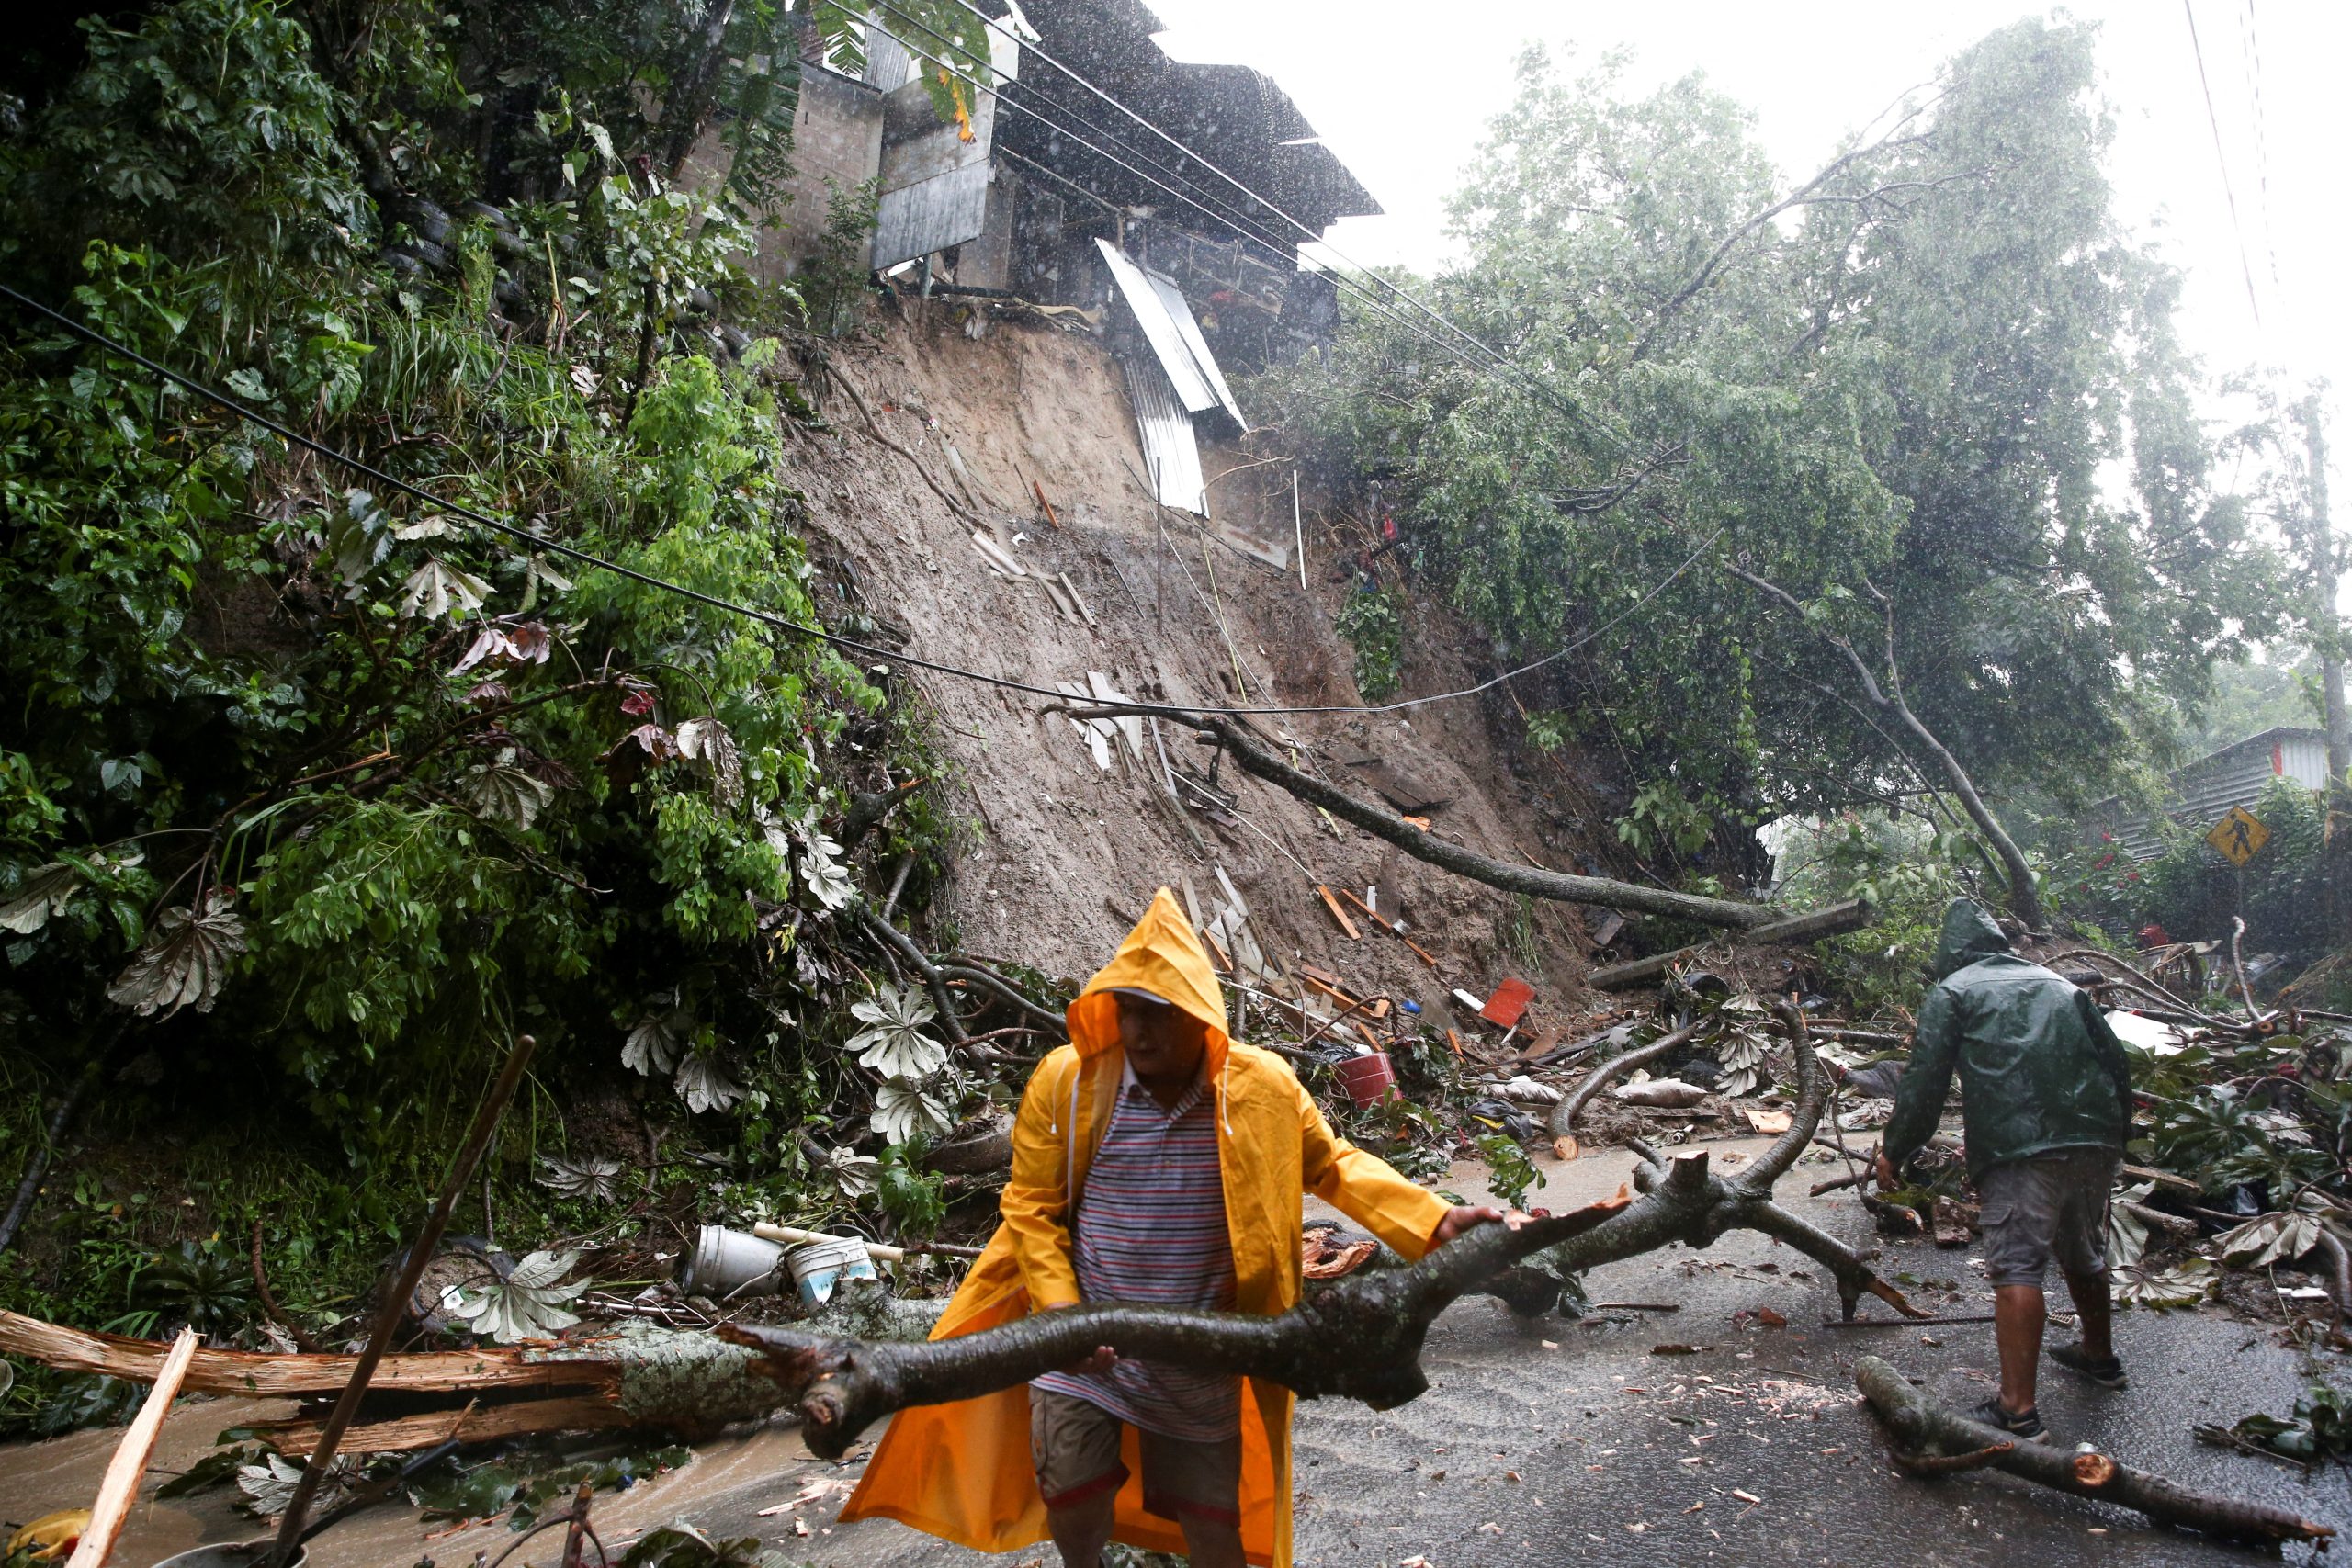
1888 392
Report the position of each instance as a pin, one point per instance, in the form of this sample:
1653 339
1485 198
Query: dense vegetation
1931 393
312 795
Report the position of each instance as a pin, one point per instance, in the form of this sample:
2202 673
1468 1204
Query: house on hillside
1097 173
2201 792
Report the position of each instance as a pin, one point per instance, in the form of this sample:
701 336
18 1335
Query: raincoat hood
1164 956
962 1471
1969 934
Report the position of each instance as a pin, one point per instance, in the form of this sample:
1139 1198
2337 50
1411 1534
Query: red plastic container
1368 1079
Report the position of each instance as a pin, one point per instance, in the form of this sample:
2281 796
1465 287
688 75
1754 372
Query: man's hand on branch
1102 1360
1463 1216
1889 1178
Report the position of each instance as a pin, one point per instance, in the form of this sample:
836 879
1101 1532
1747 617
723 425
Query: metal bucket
728 1263
1369 1080
819 1265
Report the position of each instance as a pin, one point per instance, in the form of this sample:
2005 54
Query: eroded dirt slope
1064 853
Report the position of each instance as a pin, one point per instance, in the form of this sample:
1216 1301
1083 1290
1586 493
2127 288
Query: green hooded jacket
2039 1069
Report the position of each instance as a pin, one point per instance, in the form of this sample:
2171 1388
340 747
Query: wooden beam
119 1487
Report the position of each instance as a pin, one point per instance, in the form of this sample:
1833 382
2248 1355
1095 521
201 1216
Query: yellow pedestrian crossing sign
2240 835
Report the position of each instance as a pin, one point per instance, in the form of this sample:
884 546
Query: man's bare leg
2017 1317
2096 1311
1212 1543
1081 1530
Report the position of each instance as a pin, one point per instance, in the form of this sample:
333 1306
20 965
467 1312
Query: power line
1038 50
2214 119
590 558
2253 42
1226 214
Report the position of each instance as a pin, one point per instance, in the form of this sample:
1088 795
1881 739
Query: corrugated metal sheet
2202 792
888 64
1173 298
1167 321
930 215
1171 451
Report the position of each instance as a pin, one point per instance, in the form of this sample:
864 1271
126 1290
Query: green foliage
834 282
2321 1425
1509 1173
1372 621
1908 869
1660 819
1805 390
2193 890
915 1200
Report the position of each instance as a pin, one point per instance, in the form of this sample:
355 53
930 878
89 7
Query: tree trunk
2025 901
2320 547
1380 823
1359 1338
1928 1440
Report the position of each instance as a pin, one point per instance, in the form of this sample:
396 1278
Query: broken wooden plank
1331 991
1079 598
1038 490
119 1488
480 1425
1386 924
261 1376
1339 914
1819 924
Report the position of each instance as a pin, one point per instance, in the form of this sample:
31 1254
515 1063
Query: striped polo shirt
1150 1228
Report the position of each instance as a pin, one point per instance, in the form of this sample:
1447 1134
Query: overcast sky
1402 93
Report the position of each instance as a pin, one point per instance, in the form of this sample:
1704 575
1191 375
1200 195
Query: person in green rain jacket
2046 1100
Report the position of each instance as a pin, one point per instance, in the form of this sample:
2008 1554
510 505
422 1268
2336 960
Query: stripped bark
1564 1115
1534 881
1923 1434
1358 1339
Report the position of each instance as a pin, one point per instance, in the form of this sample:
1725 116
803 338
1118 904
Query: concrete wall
837 143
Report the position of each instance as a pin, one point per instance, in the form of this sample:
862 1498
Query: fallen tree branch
1534 881
2140 979
1808 927
1922 1433
1564 1115
1007 992
903 945
1361 1338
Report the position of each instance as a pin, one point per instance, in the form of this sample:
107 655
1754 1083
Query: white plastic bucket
818 1266
726 1263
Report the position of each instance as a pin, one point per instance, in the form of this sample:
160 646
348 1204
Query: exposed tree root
1927 1438
1358 1339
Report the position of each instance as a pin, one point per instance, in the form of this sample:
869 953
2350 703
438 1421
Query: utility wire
1226 214
1314 237
2244 265
588 557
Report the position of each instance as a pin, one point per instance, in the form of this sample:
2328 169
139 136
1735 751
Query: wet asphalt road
1589 1448
1600 1451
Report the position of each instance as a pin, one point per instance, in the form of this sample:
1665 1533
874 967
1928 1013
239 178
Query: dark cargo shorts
1076 1448
2046 1206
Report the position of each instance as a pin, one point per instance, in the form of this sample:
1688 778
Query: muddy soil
1062 855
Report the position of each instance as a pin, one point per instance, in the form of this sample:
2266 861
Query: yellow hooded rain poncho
962 1471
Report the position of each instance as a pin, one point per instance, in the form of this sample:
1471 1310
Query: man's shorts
1075 1446
2046 1206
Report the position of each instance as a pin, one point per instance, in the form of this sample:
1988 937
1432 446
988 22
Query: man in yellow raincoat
974 1472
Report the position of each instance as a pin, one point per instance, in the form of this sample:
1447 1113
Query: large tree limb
1889 699
1564 1115
1359 1339
1925 1435
1534 881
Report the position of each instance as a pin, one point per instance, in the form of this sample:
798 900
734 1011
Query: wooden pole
1298 529
396 1303
120 1488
